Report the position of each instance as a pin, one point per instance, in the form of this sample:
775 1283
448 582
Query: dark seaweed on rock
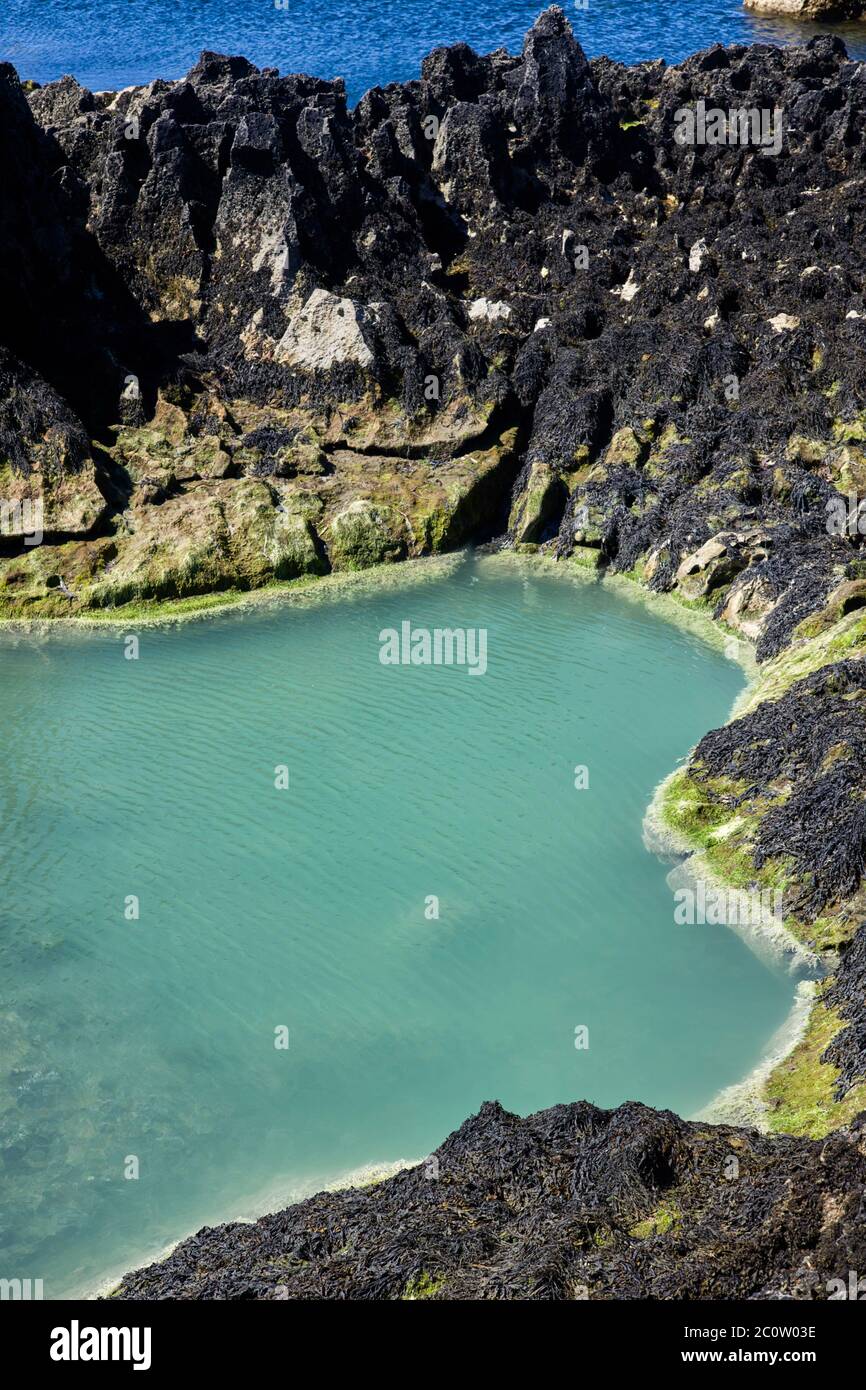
573 1202
172 232
798 576
847 994
806 754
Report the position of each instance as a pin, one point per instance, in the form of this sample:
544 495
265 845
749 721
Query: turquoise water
108 44
305 908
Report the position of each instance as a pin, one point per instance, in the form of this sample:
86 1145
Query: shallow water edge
308 590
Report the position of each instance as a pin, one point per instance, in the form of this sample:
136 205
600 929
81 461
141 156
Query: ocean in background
108 44
152 1037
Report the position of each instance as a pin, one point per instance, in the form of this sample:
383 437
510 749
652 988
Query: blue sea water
151 1037
109 44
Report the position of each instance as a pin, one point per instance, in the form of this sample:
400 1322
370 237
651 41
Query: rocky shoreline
254 337
571 1203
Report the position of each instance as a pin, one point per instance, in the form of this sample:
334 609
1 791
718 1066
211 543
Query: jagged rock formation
253 336
272 314
573 1202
